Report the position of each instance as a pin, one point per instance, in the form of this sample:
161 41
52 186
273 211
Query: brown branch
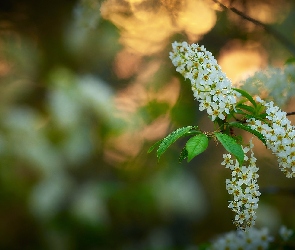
290 113
283 40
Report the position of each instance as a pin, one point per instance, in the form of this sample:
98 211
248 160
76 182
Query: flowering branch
231 108
290 46
290 113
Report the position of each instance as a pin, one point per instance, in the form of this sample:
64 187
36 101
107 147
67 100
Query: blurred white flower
87 13
252 239
179 193
268 216
51 195
89 204
285 233
274 84
25 140
98 96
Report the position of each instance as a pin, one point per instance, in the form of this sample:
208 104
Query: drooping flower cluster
248 240
244 188
215 94
279 134
210 85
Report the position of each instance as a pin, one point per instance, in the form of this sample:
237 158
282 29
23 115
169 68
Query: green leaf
240 111
204 246
231 146
183 155
155 145
152 110
260 109
246 95
196 145
260 117
171 138
249 129
290 60
247 108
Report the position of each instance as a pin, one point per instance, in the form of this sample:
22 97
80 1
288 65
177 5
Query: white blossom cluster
215 94
247 240
244 188
273 84
210 85
279 134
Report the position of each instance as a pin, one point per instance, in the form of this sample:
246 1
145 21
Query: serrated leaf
240 112
246 95
183 155
154 145
171 138
196 145
260 117
247 108
250 130
231 146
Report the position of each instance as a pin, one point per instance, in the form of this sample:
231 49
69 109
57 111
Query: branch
290 113
283 40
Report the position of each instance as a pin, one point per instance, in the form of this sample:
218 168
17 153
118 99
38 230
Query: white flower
279 135
227 160
285 233
244 188
210 85
276 84
214 92
251 239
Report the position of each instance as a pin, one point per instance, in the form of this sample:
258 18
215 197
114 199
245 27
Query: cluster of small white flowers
274 84
210 85
215 94
247 240
244 188
279 135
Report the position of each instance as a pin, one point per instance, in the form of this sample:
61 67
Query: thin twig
290 113
290 46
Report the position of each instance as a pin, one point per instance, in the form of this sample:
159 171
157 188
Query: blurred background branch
283 40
